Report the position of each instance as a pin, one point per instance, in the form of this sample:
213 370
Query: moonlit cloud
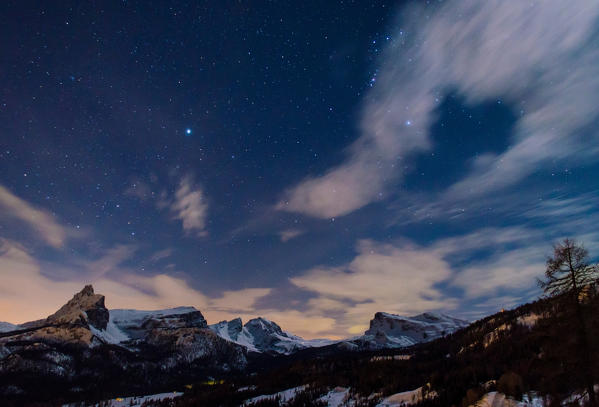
190 207
382 277
537 57
126 288
123 287
39 220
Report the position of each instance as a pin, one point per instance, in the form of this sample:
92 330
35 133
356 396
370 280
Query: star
188 131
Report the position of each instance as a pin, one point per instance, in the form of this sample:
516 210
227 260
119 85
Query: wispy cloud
289 234
37 219
532 56
161 254
190 206
27 293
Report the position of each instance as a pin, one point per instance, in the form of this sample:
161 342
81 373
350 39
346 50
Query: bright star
188 131
408 122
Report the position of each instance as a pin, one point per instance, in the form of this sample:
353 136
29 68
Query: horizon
309 163
244 320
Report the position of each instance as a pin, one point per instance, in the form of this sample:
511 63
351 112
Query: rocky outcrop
84 308
389 330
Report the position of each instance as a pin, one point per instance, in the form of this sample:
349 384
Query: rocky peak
404 331
84 308
263 325
234 328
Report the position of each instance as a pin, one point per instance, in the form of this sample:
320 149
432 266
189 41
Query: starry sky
310 162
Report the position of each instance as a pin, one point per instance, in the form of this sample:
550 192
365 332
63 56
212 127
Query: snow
406 398
245 339
112 334
130 401
133 317
7 327
285 395
120 319
258 332
337 397
495 399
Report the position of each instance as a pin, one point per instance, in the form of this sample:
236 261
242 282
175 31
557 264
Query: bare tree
567 277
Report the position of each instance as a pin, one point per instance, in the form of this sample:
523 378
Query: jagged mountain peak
264 324
85 307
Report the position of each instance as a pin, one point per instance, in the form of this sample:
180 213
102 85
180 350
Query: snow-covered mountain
84 320
7 327
265 336
163 338
395 331
136 324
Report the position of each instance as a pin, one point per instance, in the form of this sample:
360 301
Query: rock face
137 324
84 308
389 330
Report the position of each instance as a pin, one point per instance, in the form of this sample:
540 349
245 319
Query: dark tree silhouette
568 276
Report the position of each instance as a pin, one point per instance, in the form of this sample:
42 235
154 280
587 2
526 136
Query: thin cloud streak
39 220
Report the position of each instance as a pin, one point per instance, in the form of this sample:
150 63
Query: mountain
84 343
395 331
6 327
84 346
264 336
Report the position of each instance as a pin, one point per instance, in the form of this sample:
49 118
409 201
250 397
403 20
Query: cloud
538 57
289 234
39 220
27 293
238 301
161 254
382 277
190 207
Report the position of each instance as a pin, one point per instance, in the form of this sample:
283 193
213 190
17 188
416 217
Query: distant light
188 132
408 122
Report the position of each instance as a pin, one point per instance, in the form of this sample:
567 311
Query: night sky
310 162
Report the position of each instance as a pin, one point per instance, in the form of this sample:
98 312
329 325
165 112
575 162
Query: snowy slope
283 396
406 398
131 401
7 327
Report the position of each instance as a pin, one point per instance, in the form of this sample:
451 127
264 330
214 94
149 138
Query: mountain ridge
86 312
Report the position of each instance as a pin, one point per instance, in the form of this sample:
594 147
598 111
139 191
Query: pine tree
567 276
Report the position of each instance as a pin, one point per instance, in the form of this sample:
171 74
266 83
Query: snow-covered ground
284 396
406 398
130 401
338 397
